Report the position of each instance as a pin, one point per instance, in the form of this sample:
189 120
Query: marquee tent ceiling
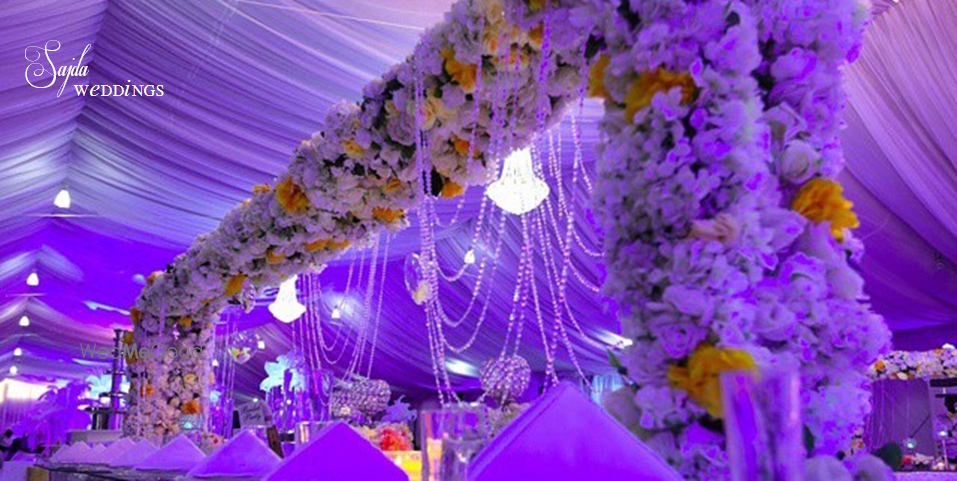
244 81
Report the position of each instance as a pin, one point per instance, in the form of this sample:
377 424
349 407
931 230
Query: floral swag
728 241
910 365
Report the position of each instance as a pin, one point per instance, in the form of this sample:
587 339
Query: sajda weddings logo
38 71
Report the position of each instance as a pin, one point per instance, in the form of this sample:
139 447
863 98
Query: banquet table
93 472
925 476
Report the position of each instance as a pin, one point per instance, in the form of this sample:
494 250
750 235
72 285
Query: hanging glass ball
910 443
416 279
244 346
505 378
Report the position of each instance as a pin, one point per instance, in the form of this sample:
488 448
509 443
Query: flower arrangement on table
388 436
908 365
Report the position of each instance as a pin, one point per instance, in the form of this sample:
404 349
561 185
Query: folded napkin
565 435
338 452
92 456
179 455
244 456
135 455
115 450
70 453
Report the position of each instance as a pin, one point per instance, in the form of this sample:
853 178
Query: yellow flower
535 36
191 407
879 365
272 257
261 189
149 391
291 197
451 190
387 215
135 315
326 244
235 285
152 277
649 83
392 186
700 378
353 149
190 378
822 200
461 146
186 322
596 77
461 73
128 338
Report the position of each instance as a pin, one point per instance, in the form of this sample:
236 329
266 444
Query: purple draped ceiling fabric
901 145
245 80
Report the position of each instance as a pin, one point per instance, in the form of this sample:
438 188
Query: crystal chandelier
286 307
518 190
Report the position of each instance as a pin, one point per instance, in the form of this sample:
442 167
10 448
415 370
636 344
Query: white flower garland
909 365
472 86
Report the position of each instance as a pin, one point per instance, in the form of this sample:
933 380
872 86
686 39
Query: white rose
798 162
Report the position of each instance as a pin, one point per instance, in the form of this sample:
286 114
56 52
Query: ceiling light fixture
33 279
261 344
518 190
14 370
17 352
62 199
336 314
24 321
469 257
287 307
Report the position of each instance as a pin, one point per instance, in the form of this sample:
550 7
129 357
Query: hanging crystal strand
366 313
488 296
378 309
544 243
550 360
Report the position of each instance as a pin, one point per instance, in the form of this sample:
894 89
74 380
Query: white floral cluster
907 365
717 113
475 88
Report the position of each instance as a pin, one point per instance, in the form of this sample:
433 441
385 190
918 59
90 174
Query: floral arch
728 242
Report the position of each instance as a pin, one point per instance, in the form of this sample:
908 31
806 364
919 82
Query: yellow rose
596 77
272 257
235 285
700 378
879 365
186 322
822 200
261 189
451 190
135 316
353 149
392 186
649 83
291 197
387 215
149 391
326 244
535 36
191 407
462 73
461 146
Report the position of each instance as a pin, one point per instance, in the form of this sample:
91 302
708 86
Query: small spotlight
33 279
469 257
336 314
14 370
62 199
24 321
944 433
215 363
261 344
17 352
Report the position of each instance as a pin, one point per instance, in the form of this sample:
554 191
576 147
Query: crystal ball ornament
505 379
363 396
244 346
415 279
